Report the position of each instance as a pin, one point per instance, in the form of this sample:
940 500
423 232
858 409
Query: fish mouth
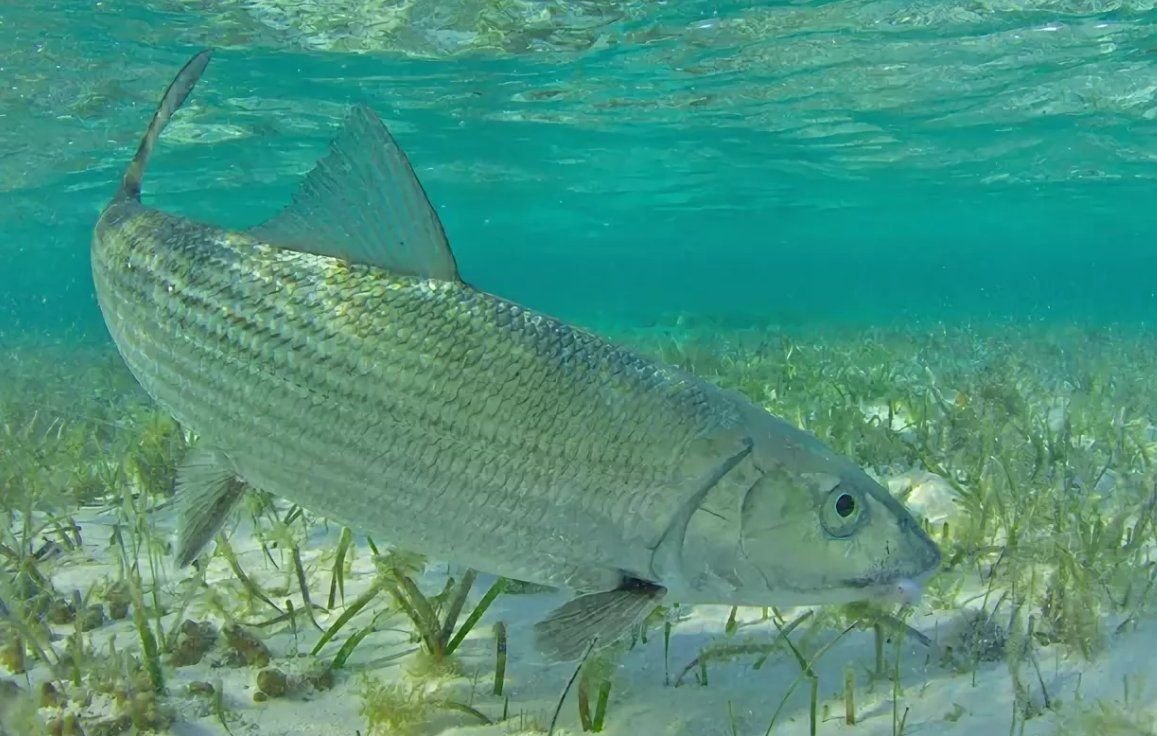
906 589
923 561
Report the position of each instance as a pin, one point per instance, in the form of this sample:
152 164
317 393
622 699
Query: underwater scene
637 367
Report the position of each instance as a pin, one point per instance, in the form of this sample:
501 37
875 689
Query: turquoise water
863 161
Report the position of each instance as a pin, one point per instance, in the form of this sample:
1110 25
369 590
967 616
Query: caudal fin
171 101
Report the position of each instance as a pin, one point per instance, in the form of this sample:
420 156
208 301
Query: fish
334 356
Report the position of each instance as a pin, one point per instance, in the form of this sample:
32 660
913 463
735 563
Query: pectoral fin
567 632
207 489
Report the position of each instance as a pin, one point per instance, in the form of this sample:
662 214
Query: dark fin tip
175 95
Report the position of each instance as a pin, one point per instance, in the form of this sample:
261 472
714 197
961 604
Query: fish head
798 524
832 535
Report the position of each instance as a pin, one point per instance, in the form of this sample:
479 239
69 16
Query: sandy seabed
737 698
1096 476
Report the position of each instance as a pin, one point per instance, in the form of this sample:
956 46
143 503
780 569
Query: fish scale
335 357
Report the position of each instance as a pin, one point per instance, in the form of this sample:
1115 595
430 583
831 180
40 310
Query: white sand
640 705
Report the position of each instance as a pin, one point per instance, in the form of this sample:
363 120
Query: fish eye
845 505
842 512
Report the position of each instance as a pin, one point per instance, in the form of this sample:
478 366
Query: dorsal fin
171 101
363 203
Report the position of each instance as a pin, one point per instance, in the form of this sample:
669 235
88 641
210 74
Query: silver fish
333 356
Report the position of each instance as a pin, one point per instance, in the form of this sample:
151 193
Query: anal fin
207 489
567 632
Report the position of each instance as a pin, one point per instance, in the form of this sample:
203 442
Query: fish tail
171 101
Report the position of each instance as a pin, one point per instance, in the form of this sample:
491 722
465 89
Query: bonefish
334 356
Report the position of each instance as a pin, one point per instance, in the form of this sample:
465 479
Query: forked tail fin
171 101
